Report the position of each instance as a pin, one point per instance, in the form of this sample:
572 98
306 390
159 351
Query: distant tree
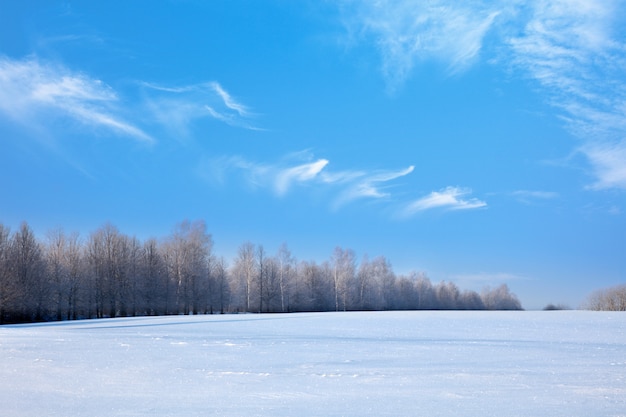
310 292
376 284
344 266
105 259
447 295
470 300
76 282
408 297
221 292
188 248
272 285
29 274
552 307
386 283
427 299
9 290
243 275
58 271
111 274
286 272
261 276
152 280
608 299
500 298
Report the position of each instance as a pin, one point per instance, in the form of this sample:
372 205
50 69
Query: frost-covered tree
58 271
152 280
286 272
105 259
500 298
9 289
608 299
111 274
188 249
243 276
344 265
28 271
221 289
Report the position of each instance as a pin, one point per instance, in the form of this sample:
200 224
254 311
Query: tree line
111 274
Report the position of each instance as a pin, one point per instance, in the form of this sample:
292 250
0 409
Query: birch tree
243 271
344 266
189 247
286 265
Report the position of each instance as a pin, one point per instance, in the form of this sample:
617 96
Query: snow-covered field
558 363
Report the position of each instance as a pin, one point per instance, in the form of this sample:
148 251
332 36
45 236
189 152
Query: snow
557 363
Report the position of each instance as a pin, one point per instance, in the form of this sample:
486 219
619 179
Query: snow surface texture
559 363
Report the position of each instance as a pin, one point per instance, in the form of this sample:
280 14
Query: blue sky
480 142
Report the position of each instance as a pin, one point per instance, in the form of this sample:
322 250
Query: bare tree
112 275
106 253
608 299
74 258
365 278
260 277
313 288
8 285
500 298
28 267
271 285
447 294
286 272
344 266
154 283
470 300
221 289
425 292
58 271
243 273
189 247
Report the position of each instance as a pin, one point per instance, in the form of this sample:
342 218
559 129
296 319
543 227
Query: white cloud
229 101
299 173
573 49
178 107
407 32
367 185
340 187
568 47
450 198
280 177
32 92
609 164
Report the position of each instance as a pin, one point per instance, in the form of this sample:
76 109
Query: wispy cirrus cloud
178 107
33 93
609 163
449 198
569 47
279 176
407 32
303 170
572 49
285 177
228 100
343 187
367 184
